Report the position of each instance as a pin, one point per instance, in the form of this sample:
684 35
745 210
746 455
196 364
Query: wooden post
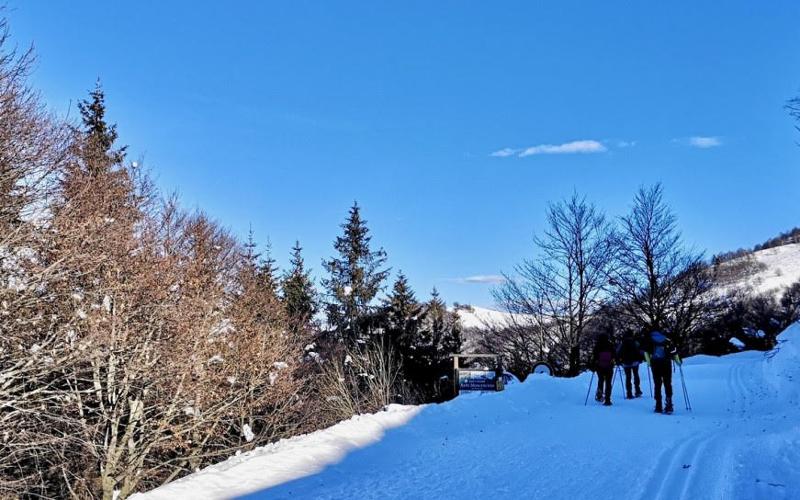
455 375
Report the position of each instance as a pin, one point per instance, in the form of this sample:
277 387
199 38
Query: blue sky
452 123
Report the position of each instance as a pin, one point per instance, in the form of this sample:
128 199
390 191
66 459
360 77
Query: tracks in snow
685 468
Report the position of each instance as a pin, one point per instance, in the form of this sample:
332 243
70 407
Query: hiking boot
658 407
629 395
598 397
607 402
638 392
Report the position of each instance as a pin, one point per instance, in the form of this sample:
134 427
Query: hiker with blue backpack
604 367
659 354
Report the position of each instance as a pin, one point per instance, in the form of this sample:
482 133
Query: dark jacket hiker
604 366
660 352
629 354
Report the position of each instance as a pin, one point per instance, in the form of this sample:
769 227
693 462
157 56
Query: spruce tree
444 332
403 315
355 277
260 274
97 149
299 295
268 274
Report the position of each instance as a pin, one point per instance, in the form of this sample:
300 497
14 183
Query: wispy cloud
574 147
482 279
705 142
626 144
588 146
502 153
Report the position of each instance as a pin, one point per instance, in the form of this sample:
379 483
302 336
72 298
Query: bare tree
33 148
564 284
361 381
520 343
658 282
793 106
790 304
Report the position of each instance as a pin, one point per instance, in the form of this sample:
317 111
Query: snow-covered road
537 440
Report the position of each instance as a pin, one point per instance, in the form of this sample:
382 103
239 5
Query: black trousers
604 376
662 375
632 371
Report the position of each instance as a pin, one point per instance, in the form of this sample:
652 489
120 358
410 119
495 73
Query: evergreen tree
97 148
299 295
268 273
403 315
249 261
260 274
445 330
356 276
436 337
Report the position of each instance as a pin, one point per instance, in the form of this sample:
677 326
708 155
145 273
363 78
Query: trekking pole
685 392
591 380
649 382
621 382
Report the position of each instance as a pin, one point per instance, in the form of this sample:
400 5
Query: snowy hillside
769 271
776 269
538 440
474 320
480 317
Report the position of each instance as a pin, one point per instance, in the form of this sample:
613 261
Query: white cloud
483 279
626 144
584 146
705 142
587 146
502 153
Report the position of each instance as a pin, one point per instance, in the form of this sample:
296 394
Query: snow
781 270
480 317
538 440
476 319
224 327
247 433
286 460
737 343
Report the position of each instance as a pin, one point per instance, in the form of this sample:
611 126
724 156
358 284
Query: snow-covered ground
538 440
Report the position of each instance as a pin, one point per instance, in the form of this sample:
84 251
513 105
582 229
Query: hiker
659 355
629 354
604 366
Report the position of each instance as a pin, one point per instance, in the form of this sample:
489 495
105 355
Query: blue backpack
659 346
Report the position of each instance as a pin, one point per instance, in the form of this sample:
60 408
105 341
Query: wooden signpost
467 379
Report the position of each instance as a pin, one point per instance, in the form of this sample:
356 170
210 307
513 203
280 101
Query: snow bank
538 440
286 460
782 366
